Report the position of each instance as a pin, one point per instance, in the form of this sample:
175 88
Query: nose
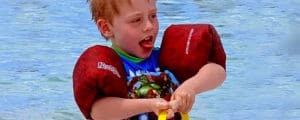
148 25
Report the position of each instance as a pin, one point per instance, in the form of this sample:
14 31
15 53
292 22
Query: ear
105 28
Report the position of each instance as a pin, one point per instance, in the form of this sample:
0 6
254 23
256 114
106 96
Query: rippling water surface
40 42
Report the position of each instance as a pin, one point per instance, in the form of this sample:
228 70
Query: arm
112 108
208 77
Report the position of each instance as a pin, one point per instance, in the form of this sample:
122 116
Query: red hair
106 9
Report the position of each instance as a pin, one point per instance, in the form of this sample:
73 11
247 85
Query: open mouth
147 42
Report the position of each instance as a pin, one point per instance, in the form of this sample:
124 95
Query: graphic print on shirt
151 84
146 80
144 84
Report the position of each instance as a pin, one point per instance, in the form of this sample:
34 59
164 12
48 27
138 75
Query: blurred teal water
40 42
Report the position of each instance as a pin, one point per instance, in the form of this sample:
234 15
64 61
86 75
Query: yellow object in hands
163 116
184 116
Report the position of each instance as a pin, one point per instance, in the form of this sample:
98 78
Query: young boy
132 27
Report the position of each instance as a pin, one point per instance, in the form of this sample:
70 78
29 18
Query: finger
173 97
162 105
170 113
190 107
180 103
185 102
174 105
190 103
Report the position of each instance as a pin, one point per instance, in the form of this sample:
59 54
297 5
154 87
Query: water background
40 42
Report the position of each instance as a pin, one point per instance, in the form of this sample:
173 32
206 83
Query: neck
126 55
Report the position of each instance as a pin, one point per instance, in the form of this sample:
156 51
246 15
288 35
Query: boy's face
135 29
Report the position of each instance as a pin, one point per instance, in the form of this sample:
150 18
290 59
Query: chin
145 55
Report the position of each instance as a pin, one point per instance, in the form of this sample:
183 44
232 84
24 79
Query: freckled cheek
130 38
156 31
156 27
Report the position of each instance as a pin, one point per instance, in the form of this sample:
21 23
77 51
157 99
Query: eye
153 16
136 20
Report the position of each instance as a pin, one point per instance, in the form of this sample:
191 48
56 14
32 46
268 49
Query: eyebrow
139 13
153 10
131 1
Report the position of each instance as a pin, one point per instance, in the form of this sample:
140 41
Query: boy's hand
158 104
183 99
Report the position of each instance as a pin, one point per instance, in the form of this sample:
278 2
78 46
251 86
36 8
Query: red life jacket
98 73
185 49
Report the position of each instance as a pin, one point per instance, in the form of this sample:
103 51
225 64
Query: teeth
147 38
